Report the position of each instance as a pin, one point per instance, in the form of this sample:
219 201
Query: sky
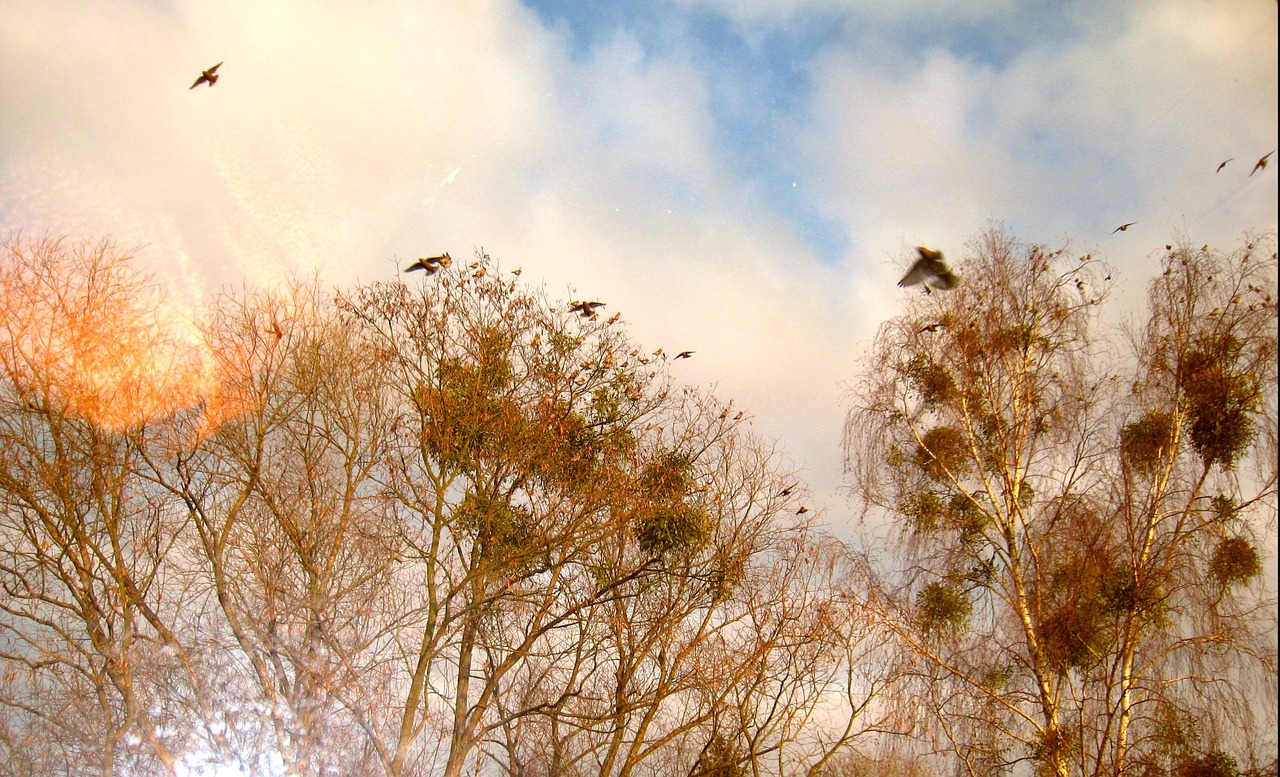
745 179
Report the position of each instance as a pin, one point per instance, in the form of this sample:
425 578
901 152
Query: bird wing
199 81
213 69
918 272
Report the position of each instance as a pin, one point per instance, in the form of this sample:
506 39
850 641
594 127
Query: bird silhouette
931 327
931 269
431 263
1262 164
683 355
1123 227
209 77
585 309
1224 164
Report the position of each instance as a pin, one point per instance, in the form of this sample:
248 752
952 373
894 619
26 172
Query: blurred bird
738 416
786 491
209 77
931 327
932 270
1224 164
585 309
431 263
802 511
1262 164
683 355
1123 227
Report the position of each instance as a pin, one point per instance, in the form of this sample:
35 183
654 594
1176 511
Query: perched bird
683 355
431 263
1262 164
1224 164
932 270
1123 227
738 416
209 76
585 309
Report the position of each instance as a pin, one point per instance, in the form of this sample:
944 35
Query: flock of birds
931 269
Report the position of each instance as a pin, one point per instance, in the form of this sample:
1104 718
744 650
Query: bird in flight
931 327
431 263
585 309
683 355
1224 164
931 269
1123 227
209 77
1262 164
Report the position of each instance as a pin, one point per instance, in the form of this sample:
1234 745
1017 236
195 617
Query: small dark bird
931 269
1262 164
209 76
786 491
931 327
738 416
802 511
683 355
431 263
1224 164
1123 227
585 309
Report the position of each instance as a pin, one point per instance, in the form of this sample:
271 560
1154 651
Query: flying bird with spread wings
683 355
1123 227
209 77
1224 164
431 264
585 309
1262 163
930 269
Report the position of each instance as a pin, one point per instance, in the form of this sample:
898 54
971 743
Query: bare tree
1077 535
91 663
400 529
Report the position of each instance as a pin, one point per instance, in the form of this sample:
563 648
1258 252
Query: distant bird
786 491
683 355
431 263
932 270
802 511
209 76
585 309
738 416
931 327
1123 227
1224 164
1262 164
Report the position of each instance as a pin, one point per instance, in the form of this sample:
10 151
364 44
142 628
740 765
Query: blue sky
744 178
